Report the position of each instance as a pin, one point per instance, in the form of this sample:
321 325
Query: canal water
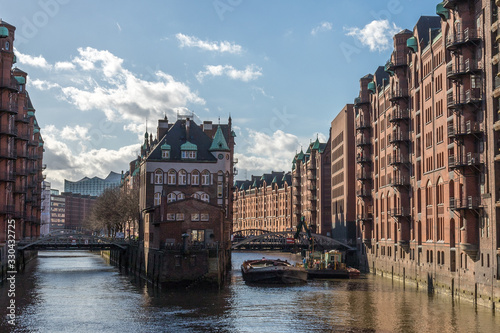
79 292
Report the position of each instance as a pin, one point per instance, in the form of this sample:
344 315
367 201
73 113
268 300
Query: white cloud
324 26
376 34
64 65
224 46
33 61
77 133
261 152
250 72
43 85
66 163
102 83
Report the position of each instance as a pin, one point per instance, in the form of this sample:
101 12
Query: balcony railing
363 193
467 36
397 159
364 217
471 96
7 176
398 94
399 136
8 129
468 159
8 153
23 118
400 181
399 212
361 125
9 82
469 66
467 202
362 141
399 114
363 175
469 127
8 107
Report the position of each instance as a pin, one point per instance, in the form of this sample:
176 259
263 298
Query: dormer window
189 151
165 151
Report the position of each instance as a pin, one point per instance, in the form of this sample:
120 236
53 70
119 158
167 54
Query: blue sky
99 70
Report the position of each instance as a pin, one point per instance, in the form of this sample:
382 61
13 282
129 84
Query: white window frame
172 177
158 176
182 177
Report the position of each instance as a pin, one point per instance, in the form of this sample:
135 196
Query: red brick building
427 176
186 177
21 148
263 203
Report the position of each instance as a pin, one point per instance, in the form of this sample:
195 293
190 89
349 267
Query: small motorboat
272 271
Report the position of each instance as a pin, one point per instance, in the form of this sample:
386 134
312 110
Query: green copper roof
40 144
31 113
36 130
4 32
233 134
412 44
20 79
189 146
242 187
219 143
254 183
316 145
443 12
371 87
274 180
300 156
165 146
14 60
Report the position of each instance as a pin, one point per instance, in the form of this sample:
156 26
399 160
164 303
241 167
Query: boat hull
329 273
273 274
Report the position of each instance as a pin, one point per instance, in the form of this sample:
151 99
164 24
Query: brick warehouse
427 159
427 136
21 149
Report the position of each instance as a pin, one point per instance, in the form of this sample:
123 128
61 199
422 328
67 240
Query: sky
102 72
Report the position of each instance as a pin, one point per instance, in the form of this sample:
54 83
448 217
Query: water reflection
79 292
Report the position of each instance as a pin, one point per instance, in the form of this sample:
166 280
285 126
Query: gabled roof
404 32
177 137
423 25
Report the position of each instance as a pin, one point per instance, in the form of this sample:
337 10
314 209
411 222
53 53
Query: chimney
207 127
162 128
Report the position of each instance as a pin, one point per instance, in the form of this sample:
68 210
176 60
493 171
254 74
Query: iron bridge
71 240
285 240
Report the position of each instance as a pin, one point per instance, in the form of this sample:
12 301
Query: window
7 46
179 217
182 177
170 217
180 196
195 177
204 217
195 217
165 154
157 199
205 197
172 177
198 236
171 197
205 178
158 176
188 154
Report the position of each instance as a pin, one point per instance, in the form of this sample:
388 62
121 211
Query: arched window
158 176
205 178
205 197
428 194
440 191
195 177
171 197
182 177
157 199
180 196
172 177
196 195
